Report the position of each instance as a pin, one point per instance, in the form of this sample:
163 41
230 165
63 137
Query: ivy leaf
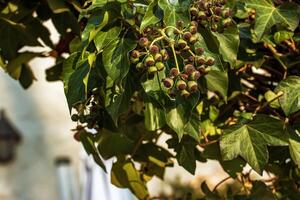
281 36
76 87
250 140
229 44
269 15
114 144
294 144
154 117
116 59
14 67
121 102
104 38
217 81
152 15
176 120
173 13
124 175
290 100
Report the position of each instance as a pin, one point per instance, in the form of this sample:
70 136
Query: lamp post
9 138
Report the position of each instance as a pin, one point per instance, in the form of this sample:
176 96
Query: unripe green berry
158 57
193 29
160 66
154 49
195 75
201 15
182 43
226 13
179 24
194 23
174 72
188 69
152 70
193 39
185 93
226 22
134 60
193 11
164 54
192 86
143 42
180 85
139 66
187 36
168 82
149 61
210 61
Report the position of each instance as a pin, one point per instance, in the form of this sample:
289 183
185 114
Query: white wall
41 114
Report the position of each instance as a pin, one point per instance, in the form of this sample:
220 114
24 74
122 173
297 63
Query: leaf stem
221 182
175 56
267 103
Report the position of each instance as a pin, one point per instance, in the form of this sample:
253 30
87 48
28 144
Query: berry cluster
90 113
212 14
180 49
149 57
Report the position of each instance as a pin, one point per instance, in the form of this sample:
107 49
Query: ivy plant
220 78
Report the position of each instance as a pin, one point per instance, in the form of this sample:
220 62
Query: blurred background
49 164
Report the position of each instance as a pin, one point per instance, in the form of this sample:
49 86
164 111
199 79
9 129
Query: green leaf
290 100
268 15
294 144
114 144
173 13
58 6
250 140
120 103
229 44
104 38
116 59
217 81
150 17
176 120
76 87
281 36
154 117
14 67
124 175
87 140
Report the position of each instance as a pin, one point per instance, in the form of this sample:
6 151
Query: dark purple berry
135 54
200 60
188 69
191 59
174 72
187 36
179 23
218 11
210 61
154 49
168 82
182 43
184 76
199 51
149 61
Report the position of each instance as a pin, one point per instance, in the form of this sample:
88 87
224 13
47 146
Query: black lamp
9 138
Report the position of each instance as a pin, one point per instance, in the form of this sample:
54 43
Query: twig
220 183
267 103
